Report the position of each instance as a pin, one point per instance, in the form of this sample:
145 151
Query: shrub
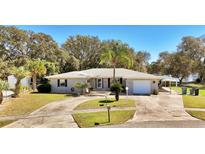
117 88
155 91
3 86
198 80
44 88
82 86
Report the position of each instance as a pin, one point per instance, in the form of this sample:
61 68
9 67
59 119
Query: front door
99 83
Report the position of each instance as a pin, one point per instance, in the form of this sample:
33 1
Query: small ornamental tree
3 86
19 74
81 86
116 87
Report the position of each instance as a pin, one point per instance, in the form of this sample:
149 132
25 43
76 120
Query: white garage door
141 87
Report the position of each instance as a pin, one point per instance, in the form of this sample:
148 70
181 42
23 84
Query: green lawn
28 103
194 101
4 123
179 89
94 104
197 114
196 85
89 119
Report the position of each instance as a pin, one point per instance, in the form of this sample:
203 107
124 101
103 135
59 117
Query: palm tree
115 52
3 86
19 73
36 68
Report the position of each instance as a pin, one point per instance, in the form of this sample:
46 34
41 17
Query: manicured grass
194 101
95 104
196 85
197 114
179 90
28 103
4 123
89 119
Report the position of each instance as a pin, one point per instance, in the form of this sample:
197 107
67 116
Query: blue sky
151 38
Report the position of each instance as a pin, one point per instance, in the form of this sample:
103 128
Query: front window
99 83
62 83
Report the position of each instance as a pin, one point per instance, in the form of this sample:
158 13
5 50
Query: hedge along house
101 79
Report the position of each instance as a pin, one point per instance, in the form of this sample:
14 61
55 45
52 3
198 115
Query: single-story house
25 82
101 79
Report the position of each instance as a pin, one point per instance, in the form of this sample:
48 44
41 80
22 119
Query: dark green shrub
155 92
117 88
44 88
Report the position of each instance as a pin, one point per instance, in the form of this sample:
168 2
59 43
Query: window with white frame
62 82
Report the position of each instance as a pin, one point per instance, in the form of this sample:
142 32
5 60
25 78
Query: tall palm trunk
114 80
1 97
17 89
34 82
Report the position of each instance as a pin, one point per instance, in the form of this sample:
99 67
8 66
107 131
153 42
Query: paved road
162 124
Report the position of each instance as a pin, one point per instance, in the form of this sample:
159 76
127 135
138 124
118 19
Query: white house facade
101 79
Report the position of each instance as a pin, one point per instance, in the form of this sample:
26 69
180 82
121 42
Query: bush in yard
82 86
155 92
117 88
3 86
44 88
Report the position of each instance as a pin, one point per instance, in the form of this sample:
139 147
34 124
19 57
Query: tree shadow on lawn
106 101
52 93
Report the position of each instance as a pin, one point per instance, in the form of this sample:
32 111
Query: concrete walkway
195 109
53 115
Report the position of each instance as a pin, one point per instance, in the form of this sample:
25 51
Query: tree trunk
114 74
1 97
17 88
117 95
180 80
34 82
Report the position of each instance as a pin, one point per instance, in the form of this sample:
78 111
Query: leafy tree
87 49
5 68
19 73
180 66
36 68
42 46
67 63
154 68
141 61
115 52
3 86
13 42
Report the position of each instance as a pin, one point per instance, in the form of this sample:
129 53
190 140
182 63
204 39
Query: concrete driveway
163 110
53 115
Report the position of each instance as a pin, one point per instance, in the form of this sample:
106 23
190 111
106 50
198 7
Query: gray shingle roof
105 73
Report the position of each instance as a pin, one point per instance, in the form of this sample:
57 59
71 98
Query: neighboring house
25 82
191 78
101 79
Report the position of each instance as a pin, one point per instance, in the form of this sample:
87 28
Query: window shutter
108 82
120 80
58 83
66 83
